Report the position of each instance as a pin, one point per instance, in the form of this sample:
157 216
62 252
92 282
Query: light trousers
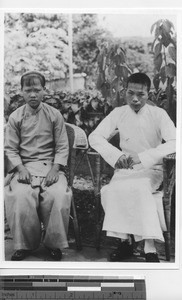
27 205
132 205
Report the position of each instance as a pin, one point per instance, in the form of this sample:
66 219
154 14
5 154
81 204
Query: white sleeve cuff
113 157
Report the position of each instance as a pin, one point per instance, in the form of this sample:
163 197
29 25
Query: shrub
84 108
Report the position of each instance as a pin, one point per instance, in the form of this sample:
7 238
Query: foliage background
40 41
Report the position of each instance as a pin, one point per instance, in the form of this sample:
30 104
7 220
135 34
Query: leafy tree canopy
87 36
40 41
35 41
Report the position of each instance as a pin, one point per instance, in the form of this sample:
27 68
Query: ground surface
86 212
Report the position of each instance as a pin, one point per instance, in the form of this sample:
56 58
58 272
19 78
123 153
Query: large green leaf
163 74
166 38
125 72
118 71
156 81
158 62
100 81
170 70
153 44
172 52
156 26
158 32
122 55
152 28
168 25
114 82
157 49
117 59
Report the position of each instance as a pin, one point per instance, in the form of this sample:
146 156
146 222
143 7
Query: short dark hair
28 78
140 78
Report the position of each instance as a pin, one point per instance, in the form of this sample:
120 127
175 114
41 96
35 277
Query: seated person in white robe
36 148
129 199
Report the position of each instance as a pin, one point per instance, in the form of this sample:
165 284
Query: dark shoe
151 257
55 254
20 254
124 251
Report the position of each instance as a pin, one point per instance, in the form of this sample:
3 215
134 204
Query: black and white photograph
90 122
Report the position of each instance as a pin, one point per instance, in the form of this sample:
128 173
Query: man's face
136 95
33 94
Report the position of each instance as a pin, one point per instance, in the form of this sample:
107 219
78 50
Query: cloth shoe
125 250
151 257
55 254
20 254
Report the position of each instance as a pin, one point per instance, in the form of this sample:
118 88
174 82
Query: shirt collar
31 110
141 111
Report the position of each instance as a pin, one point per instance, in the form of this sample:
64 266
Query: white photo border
106 266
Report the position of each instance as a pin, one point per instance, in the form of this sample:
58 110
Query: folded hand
122 162
24 175
52 176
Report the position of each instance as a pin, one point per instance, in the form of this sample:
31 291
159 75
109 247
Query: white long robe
130 203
